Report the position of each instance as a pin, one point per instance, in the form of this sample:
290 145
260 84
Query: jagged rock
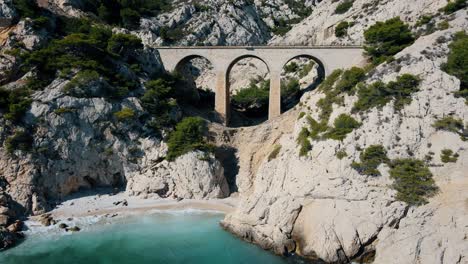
7 13
190 176
334 214
63 226
73 229
17 226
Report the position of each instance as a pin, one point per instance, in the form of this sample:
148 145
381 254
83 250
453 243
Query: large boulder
195 175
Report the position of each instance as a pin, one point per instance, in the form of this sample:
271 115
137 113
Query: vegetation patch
14 103
447 156
371 158
378 94
452 124
341 154
303 141
457 62
343 125
344 6
341 30
254 95
187 136
412 180
385 39
125 114
20 140
274 153
454 6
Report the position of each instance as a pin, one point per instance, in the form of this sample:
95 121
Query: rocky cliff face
321 207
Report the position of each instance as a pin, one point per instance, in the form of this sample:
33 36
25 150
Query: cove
157 238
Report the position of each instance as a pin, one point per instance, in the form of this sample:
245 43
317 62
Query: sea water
157 238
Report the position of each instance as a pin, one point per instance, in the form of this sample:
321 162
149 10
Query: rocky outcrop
319 27
7 13
10 230
195 175
321 208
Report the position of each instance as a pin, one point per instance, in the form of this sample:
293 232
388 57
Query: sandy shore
108 204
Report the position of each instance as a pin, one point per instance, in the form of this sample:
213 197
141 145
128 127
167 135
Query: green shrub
301 115
385 39
349 79
341 154
64 110
290 88
253 94
121 44
291 67
125 114
443 25
187 136
306 69
450 124
454 6
343 125
379 94
21 140
303 141
344 6
171 35
274 153
371 158
457 62
447 155
341 30
27 8
14 103
412 180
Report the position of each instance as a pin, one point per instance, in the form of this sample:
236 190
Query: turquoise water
159 238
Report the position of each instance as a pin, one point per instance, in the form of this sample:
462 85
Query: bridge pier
222 97
274 105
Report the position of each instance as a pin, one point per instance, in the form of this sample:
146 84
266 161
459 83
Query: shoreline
78 210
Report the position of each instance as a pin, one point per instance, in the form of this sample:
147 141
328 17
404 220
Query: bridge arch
240 113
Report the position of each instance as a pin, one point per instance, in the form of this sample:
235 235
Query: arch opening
198 75
300 74
248 88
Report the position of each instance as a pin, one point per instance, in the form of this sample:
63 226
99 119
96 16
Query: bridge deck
261 47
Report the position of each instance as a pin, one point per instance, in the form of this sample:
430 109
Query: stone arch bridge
223 58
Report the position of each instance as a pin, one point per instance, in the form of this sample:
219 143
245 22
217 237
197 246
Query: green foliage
291 67
14 103
349 79
385 39
301 115
171 35
274 153
64 110
282 27
316 128
121 44
379 94
371 158
27 8
306 69
20 140
303 141
125 114
254 94
457 62
412 180
81 81
158 100
187 136
452 124
343 125
344 6
94 51
290 88
341 154
341 30
454 6
125 13
447 155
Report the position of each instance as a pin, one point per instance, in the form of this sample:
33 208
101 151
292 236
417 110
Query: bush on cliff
256 95
385 39
187 136
341 30
412 180
344 6
20 140
379 94
371 158
457 62
454 6
14 103
343 125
